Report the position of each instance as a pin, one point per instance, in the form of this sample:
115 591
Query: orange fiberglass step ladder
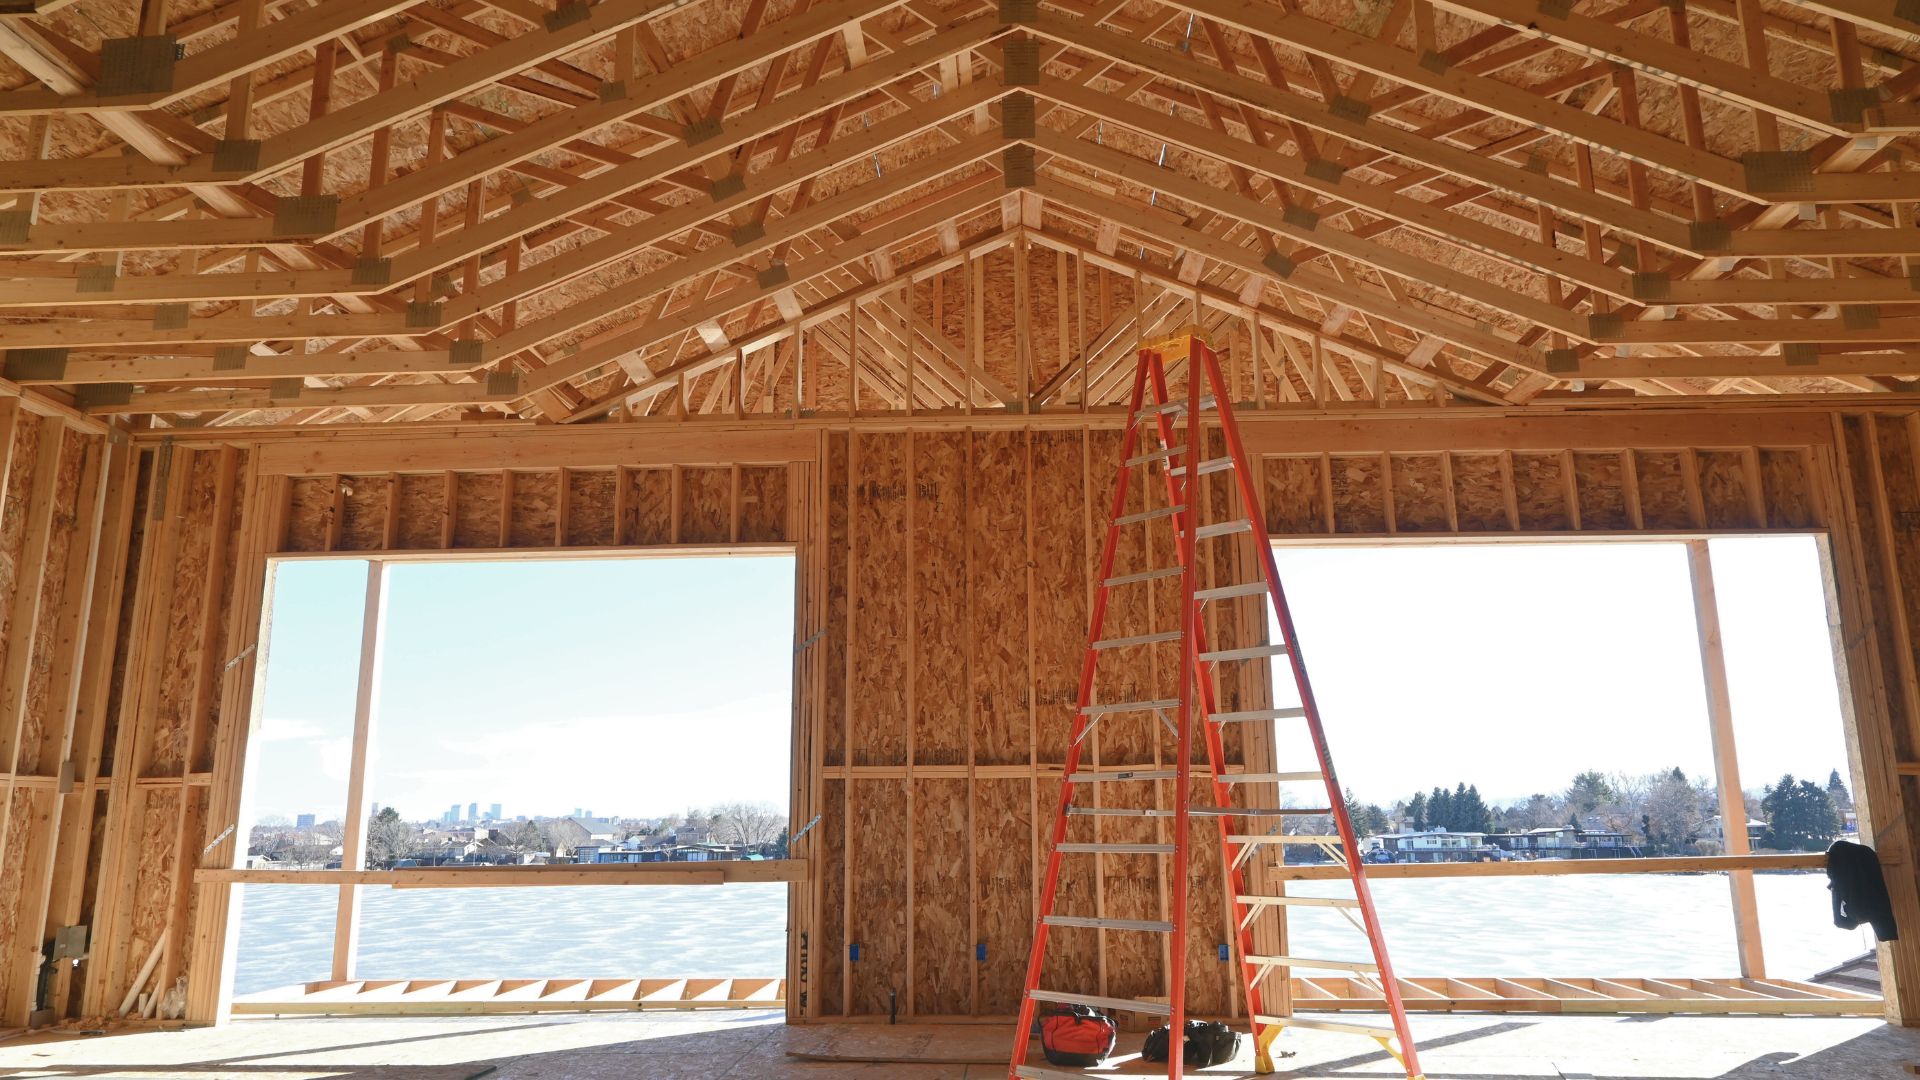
1176 425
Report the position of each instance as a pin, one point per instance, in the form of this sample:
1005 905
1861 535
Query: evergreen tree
1837 791
388 838
1589 791
1800 816
1477 815
1440 809
1417 811
1368 819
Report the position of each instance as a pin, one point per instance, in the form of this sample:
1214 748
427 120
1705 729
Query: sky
639 687
1515 666
649 686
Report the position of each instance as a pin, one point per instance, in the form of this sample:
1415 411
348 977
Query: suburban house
1564 842
1431 845
1715 832
569 834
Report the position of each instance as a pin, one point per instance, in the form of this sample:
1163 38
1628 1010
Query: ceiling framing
285 212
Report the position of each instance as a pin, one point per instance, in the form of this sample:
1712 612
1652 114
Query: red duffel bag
1077 1036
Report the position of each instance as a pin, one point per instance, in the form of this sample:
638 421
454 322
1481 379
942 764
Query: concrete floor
727 1045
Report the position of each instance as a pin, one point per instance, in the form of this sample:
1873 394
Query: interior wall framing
942 589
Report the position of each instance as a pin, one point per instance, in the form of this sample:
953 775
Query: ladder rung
1161 454
1095 776
1145 575
1284 838
1147 926
1318 965
1149 515
1207 467
1267 777
1177 406
1257 714
1138 639
1223 528
1256 811
1297 901
1116 849
1326 1025
1133 706
1038 1072
1251 652
1095 1001
1228 592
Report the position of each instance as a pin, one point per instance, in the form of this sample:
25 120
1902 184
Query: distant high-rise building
473 811
304 821
453 813
494 811
577 812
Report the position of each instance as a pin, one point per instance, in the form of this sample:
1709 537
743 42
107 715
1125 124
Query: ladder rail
1049 894
1343 821
1232 859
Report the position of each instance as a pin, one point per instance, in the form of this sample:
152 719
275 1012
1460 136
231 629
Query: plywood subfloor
755 1044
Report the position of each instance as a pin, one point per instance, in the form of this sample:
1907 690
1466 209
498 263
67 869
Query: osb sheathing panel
1725 489
940 612
875 811
1209 980
1419 493
423 511
534 509
1540 492
829 951
14 513
41 720
309 509
1863 465
227 536
997 543
942 914
21 825
363 512
476 510
1004 880
156 824
590 499
706 497
838 499
1788 489
1892 438
878 722
1480 488
1661 478
763 503
1359 493
1073 953
1293 496
649 506
1601 492
168 740
1060 585
1128 673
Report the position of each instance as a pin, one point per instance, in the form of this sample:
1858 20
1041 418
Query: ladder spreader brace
1177 424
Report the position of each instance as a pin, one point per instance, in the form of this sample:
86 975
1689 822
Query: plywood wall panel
878 725
876 810
942 913
1600 491
941 622
997 522
1060 585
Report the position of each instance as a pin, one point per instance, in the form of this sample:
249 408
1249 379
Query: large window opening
1550 704
482 726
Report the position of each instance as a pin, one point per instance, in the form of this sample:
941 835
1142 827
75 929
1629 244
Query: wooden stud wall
942 590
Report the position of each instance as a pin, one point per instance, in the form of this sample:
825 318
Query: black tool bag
1207 1043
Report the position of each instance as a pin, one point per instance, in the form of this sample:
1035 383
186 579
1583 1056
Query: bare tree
747 824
